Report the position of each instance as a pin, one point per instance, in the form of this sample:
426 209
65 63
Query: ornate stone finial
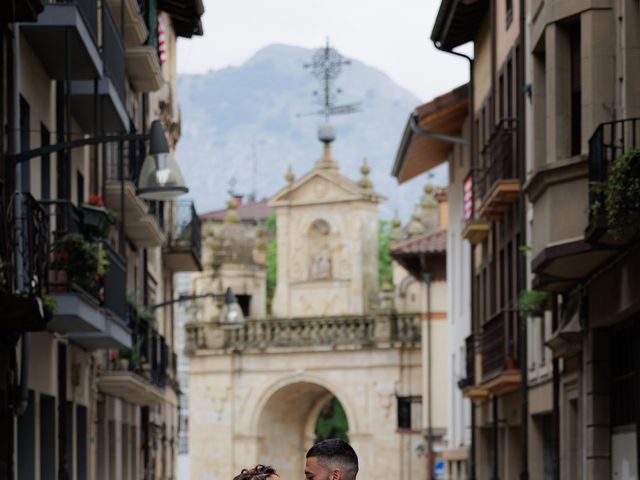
429 198
396 233
415 227
364 182
289 176
327 134
232 212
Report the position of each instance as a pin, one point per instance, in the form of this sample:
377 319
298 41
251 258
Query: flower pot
58 281
95 221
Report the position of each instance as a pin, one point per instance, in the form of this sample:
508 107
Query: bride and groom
332 459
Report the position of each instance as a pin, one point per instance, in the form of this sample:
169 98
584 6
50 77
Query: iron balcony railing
110 291
498 158
183 227
113 52
348 331
498 344
470 354
610 141
26 249
133 153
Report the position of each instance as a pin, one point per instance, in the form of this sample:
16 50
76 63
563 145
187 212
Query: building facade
87 264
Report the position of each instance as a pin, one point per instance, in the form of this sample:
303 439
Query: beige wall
482 64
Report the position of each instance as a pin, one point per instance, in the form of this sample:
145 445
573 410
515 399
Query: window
47 437
25 142
79 188
410 413
509 11
624 375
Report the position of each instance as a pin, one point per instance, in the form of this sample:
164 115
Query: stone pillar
628 60
597 434
598 70
558 89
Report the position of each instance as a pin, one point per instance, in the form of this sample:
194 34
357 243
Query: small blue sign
438 469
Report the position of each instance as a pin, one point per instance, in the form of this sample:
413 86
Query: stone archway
286 426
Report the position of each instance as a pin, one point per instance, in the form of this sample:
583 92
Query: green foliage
332 422
139 311
384 256
271 261
622 195
84 263
531 302
49 304
524 249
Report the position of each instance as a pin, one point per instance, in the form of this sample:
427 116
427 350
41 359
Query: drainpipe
21 407
471 461
522 274
556 397
427 281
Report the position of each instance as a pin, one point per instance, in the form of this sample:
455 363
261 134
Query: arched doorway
290 422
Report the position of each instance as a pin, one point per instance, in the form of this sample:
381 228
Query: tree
271 259
384 256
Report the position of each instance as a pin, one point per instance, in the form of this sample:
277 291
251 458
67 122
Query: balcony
92 316
144 68
499 348
23 262
25 11
141 227
497 181
578 242
135 28
472 363
182 251
110 88
609 142
62 24
322 333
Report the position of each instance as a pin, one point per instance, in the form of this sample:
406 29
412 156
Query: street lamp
160 176
231 315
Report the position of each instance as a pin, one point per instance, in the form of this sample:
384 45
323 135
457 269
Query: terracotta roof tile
431 242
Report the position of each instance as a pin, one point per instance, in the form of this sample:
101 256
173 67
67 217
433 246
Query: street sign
438 469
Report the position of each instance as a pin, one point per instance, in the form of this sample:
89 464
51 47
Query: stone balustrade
386 330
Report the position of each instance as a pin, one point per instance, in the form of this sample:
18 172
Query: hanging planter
96 219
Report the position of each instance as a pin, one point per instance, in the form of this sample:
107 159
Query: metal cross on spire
326 65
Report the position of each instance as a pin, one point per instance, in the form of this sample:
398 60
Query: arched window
319 250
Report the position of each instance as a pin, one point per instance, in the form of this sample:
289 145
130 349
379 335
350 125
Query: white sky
390 35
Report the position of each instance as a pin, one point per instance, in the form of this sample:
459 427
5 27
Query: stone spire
415 226
289 176
364 182
396 233
326 134
232 212
429 208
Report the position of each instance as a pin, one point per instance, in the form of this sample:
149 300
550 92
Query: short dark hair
338 451
259 472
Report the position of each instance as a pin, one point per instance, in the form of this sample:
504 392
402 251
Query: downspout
524 389
426 275
556 396
471 461
21 407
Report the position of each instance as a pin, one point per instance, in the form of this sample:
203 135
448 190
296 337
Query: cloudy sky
390 35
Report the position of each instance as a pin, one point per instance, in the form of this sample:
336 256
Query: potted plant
75 260
533 302
96 218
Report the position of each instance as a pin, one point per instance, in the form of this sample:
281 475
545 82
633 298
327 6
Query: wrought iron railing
113 51
183 227
610 141
470 362
115 283
351 331
133 153
499 158
498 344
26 250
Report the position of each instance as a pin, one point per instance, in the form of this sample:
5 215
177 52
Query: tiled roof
247 211
431 242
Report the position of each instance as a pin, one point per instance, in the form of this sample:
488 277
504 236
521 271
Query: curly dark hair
259 472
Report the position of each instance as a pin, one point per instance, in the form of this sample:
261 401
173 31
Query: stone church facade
256 391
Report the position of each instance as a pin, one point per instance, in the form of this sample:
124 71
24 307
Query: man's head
259 472
332 459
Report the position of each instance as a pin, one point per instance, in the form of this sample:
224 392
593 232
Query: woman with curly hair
259 472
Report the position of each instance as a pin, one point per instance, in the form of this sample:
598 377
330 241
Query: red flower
96 201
